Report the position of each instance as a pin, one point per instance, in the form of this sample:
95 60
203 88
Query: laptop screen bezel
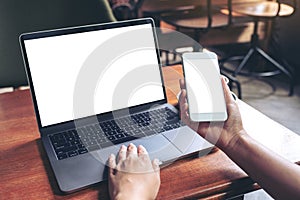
81 29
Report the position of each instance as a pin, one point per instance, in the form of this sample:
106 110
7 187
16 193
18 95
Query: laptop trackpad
188 141
157 146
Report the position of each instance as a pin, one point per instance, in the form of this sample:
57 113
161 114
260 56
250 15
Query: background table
25 171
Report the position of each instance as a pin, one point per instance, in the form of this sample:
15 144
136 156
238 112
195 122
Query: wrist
235 142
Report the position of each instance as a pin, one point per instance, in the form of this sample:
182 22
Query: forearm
279 177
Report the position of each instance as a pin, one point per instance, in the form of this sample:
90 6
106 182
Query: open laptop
95 88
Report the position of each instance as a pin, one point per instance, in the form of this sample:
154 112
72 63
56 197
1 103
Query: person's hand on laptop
132 175
220 133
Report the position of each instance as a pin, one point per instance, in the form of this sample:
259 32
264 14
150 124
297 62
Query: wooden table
25 172
154 8
161 6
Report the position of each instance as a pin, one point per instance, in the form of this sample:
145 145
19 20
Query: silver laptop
95 88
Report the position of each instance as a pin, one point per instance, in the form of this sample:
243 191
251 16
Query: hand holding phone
205 94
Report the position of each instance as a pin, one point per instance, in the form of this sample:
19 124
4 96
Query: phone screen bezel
212 116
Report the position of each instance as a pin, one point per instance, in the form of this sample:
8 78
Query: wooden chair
198 20
193 20
262 11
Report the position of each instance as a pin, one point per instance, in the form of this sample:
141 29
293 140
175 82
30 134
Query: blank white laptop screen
56 63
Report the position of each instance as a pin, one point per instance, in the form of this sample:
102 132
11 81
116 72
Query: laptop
97 87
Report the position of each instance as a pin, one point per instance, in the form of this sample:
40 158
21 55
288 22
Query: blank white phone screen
204 89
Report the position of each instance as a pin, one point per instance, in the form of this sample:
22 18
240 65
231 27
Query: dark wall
19 16
286 40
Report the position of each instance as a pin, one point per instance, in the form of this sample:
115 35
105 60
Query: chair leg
238 87
167 58
279 67
254 48
244 62
235 81
274 62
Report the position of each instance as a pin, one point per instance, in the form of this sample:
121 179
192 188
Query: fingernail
111 158
142 149
130 146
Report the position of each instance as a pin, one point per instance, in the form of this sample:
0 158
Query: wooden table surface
25 171
158 6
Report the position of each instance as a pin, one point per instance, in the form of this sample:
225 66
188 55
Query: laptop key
106 144
90 143
111 137
72 153
62 156
173 120
120 136
82 151
60 144
75 142
67 149
95 136
56 137
80 146
121 140
150 132
93 148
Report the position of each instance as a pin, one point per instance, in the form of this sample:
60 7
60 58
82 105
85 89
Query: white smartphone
205 94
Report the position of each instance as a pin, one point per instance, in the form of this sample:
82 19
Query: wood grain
264 9
25 172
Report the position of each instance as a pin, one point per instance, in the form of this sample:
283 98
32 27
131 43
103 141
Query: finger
225 79
155 165
227 93
182 96
182 84
184 116
183 113
183 106
142 150
122 153
112 164
131 150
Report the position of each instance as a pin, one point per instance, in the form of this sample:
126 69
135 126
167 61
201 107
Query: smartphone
205 94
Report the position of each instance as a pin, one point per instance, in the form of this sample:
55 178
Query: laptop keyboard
96 136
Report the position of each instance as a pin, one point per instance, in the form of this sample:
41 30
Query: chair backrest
35 15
